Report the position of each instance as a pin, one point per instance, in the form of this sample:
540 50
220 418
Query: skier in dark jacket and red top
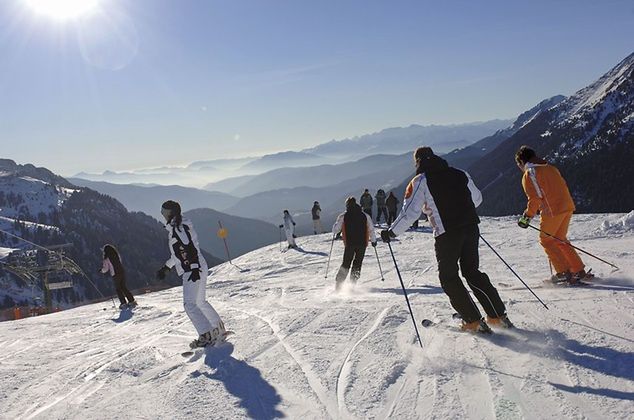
357 229
112 265
449 198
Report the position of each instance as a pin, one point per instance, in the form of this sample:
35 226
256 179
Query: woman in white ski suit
191 266
289 229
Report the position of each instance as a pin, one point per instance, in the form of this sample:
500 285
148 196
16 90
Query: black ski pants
352 255
391 216
122 290
381 211
368 211
460 246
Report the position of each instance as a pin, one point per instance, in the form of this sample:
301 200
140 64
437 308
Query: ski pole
577 248
332 243
405 293
513 271
379 262
223 235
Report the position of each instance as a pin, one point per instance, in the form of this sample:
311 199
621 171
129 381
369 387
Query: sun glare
62 9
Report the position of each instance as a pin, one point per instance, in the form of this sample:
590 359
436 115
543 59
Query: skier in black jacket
357 230
366 202
112 265
316 215
381 206
392 207
449 198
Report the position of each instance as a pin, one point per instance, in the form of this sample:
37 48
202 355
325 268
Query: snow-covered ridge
301 351
588 97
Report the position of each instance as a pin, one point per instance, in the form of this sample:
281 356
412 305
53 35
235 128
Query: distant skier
191 266
449 197
392 207
548 194
112 265
316 214
289 229
381 206
357 229
366 202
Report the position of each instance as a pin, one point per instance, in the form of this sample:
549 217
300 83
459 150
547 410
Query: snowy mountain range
465 157
395 140
398 140
588 136
43 208
148 198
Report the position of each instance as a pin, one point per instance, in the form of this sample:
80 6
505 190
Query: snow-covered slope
301 351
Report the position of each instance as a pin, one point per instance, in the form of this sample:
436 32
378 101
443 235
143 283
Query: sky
142 83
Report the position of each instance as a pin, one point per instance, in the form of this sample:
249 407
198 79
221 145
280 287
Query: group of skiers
386 206
190 264
448 196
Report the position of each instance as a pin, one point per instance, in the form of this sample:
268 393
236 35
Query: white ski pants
289 236
200 312
317 226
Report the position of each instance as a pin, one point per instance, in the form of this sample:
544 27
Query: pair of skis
194 351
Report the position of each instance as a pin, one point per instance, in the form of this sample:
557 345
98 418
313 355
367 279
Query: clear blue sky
151 82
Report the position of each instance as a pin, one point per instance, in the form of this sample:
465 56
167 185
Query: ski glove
281 226
162 272
524 222
387 235
374 244
195 276
294 224
294 236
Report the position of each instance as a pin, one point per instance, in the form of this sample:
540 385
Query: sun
62 9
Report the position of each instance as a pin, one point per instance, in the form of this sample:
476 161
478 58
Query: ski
428 323
193 352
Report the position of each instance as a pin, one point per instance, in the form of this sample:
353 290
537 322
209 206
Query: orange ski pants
562 256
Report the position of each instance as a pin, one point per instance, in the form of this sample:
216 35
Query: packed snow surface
302 351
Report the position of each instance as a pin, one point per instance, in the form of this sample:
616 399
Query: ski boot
203 340
560 278
476 326
132 304
580 277
123 306
502 321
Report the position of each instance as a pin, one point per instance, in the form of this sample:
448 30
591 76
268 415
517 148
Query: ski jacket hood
430 164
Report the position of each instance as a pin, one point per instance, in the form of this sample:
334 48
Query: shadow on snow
124 315
554 344
257 396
